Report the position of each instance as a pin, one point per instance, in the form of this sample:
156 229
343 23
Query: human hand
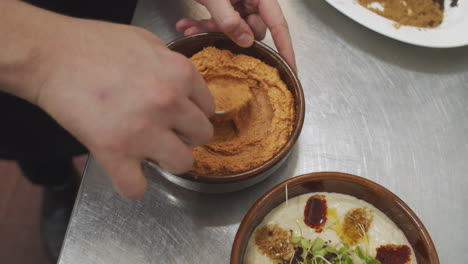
125 96
242 21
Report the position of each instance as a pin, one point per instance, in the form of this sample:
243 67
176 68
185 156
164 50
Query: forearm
28 34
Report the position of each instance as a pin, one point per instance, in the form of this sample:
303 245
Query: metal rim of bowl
219 187
299 103
238 249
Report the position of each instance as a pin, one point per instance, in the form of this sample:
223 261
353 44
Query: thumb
230 22
126 176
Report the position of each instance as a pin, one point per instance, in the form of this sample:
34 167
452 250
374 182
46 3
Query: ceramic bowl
336 182
190 45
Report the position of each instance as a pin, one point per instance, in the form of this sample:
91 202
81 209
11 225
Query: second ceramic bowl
343 183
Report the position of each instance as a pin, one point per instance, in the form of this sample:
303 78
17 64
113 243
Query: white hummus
290 216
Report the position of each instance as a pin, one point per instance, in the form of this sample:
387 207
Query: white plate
453 32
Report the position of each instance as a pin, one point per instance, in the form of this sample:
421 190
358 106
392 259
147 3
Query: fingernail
245 40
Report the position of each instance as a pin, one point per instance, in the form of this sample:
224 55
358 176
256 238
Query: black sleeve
119 11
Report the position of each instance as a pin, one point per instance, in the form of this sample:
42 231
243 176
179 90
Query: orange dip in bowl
260 129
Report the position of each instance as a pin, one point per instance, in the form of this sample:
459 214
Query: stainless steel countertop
391 112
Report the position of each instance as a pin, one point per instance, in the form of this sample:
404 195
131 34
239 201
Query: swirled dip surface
260 129
348 221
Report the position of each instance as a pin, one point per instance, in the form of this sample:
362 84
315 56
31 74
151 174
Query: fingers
187 82
257 25
271 13
192 124
191 26
194 30
185 23
126 175
171 153
199 92
230 22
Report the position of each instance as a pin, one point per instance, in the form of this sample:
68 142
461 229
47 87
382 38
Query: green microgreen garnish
295 240
320 252
318 244
306 243
343 249
368 259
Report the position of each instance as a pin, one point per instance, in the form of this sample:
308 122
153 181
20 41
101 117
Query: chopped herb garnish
318 244
295 240
319 252
368 259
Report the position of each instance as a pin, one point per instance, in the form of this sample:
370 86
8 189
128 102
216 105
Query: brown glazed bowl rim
299 102
236 251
